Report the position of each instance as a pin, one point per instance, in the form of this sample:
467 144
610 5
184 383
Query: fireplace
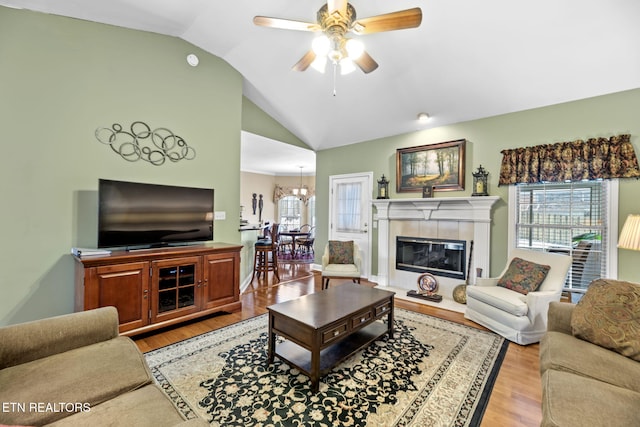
440 257
463 219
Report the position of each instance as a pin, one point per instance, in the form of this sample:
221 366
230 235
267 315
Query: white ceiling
269 157
469 59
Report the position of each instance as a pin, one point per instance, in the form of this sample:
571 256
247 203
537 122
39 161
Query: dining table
294 234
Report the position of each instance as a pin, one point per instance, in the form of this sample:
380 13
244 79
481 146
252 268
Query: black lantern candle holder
480 182
383 188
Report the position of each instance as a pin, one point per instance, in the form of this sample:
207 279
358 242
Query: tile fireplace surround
460 218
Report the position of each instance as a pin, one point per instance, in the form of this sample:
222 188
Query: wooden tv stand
154 288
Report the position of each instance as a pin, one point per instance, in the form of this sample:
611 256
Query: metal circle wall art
141 143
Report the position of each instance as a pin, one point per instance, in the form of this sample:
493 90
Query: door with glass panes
350 212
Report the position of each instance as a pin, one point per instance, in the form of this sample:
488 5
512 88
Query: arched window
289 209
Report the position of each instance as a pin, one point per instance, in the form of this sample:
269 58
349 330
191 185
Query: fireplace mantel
476 210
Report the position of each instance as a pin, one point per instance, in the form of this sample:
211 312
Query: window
348 217
289 212
311 209
576 218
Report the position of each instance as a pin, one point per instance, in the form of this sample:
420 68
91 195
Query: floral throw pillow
340 252
523 276
608 315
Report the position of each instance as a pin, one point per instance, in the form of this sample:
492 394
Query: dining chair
306 243
285 243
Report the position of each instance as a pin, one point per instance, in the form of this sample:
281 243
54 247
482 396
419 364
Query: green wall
60 79
600 116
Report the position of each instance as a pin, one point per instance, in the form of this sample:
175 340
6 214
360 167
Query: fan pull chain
335 70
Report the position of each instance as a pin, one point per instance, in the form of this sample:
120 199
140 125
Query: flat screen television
134 214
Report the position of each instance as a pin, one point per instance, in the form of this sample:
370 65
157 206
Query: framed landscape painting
438 165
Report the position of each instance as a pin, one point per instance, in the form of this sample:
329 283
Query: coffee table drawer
334 333
383 308
362 318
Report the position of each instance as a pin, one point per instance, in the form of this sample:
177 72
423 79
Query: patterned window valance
596 158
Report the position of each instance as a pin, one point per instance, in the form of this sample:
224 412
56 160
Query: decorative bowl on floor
460 294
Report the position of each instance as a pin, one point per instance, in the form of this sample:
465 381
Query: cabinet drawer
333 333
361 318
382 308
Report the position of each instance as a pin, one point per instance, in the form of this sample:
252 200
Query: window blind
566 218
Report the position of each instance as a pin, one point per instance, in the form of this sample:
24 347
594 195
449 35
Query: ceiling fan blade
305 61
285 24
337 5
366 63
400 20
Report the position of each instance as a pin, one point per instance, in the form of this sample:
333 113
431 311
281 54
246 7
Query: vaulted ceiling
469 59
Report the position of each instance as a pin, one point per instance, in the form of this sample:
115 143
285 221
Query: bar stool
265 258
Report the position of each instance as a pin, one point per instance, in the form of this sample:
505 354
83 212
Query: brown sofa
584 384
75 370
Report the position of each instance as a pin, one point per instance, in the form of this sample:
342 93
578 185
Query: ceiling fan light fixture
335 56
320 63
347 66
336 19
321 45
355 48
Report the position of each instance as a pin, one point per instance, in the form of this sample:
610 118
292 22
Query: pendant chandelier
300 192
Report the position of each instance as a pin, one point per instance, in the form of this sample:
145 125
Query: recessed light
423 117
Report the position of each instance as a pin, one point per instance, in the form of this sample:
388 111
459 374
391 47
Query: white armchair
335 268
518 317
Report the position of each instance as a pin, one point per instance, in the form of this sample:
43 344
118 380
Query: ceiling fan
335 20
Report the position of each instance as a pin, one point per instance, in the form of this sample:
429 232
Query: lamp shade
321 45
630 235
354 48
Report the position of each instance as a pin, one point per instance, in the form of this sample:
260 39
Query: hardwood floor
515 400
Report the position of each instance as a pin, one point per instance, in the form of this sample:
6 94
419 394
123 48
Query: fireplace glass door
436 256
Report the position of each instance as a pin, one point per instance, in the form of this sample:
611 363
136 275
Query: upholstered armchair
341 260
515 304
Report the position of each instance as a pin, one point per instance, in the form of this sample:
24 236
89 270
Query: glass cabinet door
176 287
176 282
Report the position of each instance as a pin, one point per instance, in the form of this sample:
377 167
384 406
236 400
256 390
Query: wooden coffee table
325 328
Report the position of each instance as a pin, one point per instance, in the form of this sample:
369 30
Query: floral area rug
433 372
